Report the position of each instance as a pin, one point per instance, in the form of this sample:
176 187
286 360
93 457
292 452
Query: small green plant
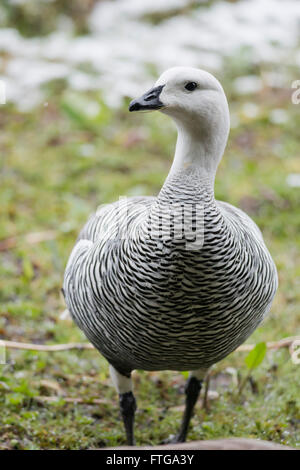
252 361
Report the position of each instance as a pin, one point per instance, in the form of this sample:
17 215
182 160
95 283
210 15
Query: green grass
57 165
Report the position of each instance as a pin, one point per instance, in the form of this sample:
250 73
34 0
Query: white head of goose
148 302
196 101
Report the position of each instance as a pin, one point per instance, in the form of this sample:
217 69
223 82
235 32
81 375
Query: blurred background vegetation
68 144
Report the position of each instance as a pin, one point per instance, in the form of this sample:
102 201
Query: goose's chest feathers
177 273
183 253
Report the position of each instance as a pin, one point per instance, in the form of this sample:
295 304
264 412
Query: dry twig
45 347
75 400
283 343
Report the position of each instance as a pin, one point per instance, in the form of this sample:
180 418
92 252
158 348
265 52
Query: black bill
149 100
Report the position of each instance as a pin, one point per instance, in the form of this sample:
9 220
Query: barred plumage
150 299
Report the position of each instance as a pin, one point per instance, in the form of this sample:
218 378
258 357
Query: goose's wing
109 219
248 230
240 218
105 224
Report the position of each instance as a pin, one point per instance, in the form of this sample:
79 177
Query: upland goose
177 281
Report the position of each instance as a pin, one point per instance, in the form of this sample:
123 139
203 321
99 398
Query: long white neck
198 149
201 142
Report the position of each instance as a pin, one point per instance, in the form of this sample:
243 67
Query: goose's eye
190 86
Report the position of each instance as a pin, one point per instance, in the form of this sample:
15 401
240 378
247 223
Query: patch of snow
124 49
250 110
293 180
278 116
247 85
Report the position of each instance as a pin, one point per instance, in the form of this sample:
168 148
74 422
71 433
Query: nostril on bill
150 97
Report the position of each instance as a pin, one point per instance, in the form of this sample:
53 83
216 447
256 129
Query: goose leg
192 391
123 385
128 407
